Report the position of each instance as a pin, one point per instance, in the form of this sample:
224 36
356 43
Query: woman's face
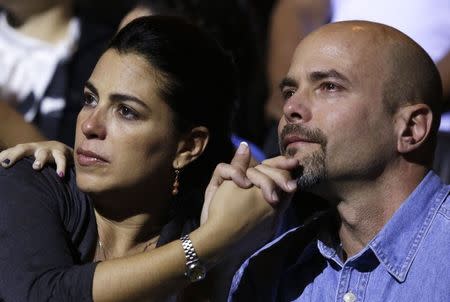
125 138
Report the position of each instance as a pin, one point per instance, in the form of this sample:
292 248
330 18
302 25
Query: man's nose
297 109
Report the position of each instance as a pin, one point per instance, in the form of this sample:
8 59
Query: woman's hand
43 152
243 204
273 176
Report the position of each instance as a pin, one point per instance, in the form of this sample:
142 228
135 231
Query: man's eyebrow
289 82
91 87
332 73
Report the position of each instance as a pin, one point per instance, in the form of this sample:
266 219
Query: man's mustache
313 135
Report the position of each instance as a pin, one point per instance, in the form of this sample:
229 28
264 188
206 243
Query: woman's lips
89 158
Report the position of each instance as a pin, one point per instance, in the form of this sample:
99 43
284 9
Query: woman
234 25
153 127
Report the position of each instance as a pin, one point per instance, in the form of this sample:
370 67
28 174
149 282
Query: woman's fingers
234 171
43 152
41 157
10 156
61 162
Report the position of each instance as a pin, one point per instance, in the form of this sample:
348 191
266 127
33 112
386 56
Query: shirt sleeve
37 258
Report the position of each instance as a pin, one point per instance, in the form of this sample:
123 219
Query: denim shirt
408 260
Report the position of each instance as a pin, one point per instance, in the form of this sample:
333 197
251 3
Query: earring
176 183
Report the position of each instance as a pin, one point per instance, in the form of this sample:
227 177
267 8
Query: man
361 113
294 19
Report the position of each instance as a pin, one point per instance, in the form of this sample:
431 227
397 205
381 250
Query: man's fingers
281 162
266 184
282 178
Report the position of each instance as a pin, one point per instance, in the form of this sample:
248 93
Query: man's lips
87 158
294 139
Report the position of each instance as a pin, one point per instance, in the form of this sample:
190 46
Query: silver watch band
189 251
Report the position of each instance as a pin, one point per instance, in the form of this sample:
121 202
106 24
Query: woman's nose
93 124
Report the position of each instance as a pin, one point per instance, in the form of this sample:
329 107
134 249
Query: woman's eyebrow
121 97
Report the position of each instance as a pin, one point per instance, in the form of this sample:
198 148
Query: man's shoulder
444 209
260 275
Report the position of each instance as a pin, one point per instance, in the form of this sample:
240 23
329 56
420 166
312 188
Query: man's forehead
343 51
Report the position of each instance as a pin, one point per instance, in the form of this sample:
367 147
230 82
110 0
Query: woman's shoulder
47 197
21 183
22 175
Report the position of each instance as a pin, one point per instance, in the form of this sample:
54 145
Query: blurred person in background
47 51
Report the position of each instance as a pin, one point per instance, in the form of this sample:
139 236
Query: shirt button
349 297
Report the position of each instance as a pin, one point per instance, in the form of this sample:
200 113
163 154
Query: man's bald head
410 74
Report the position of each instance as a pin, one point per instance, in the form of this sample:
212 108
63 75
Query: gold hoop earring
176 183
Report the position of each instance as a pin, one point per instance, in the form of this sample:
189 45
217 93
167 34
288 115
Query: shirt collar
397 243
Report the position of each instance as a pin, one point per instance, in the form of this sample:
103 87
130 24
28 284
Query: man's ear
191 146
413 125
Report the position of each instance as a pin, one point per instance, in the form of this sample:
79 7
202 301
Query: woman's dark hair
234 24
197 80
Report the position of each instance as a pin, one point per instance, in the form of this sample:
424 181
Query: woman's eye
127 112
89 100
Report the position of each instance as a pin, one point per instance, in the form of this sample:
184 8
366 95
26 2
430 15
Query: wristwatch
195 271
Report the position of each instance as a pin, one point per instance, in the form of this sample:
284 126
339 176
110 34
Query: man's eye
287 93
127 112
330 86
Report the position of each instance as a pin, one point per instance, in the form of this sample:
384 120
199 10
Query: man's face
334 119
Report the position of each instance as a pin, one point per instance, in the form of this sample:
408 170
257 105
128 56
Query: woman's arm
233 217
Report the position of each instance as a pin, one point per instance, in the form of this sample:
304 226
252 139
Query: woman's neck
129 227
49 25
124 238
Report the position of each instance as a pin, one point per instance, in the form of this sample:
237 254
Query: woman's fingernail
243 146
61 174
36 164
6 162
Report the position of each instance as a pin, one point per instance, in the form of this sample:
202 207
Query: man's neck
368 206
49 25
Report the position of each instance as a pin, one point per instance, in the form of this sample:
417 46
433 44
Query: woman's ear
413 123
191 146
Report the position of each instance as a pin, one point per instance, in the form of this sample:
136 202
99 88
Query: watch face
196 272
